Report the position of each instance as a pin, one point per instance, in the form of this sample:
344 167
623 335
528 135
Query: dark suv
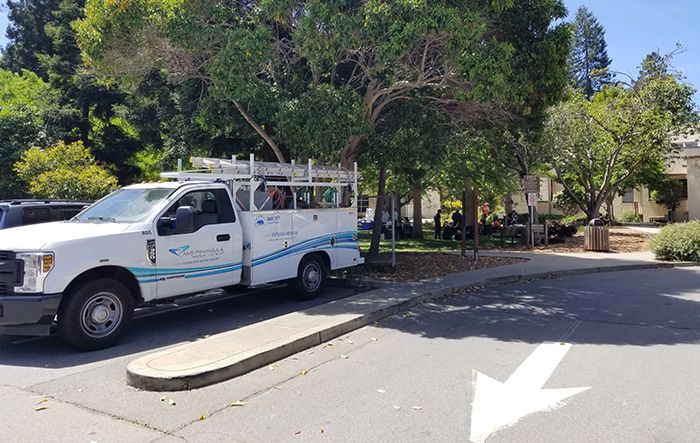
28 212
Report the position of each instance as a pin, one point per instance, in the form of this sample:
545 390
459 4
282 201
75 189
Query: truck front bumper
28 314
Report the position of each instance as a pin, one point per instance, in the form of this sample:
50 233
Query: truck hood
38 237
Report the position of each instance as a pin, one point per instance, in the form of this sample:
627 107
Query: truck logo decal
260 221
180 251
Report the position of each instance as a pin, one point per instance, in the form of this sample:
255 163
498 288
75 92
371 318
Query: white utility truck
226 223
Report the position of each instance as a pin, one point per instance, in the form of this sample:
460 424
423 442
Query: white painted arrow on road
499 405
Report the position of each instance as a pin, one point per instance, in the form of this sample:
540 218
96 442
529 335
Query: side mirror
184 220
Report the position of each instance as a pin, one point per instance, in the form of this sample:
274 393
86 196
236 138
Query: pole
393 232
475 222
465 214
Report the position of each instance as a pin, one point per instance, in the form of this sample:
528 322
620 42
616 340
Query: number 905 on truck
225 223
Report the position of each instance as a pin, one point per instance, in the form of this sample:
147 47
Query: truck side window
32 216
211 207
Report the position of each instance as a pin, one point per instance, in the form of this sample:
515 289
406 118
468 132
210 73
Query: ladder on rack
252 174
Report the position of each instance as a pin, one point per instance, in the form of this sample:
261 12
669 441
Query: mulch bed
621 240
422 265
412 266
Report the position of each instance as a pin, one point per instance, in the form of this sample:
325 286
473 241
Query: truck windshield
125 206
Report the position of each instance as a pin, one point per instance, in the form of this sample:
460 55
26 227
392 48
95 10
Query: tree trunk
85 124
611 210
378 213
508 203
261 132
593 210
417 211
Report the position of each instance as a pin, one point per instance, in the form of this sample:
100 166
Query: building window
684 189
362 204
628 196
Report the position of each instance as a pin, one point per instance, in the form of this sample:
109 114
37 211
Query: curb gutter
145 373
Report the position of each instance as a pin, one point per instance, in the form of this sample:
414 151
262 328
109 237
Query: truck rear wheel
96 314
310 279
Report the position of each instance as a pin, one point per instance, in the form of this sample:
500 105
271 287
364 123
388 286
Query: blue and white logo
260 221
179 251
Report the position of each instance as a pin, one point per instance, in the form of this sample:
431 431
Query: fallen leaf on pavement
374 338
381 391
351 342
202 417
237 403
416 408
43 400
304 372
398 408
343 356
40 408
171 402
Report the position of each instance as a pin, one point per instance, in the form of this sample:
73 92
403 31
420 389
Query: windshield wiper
105 219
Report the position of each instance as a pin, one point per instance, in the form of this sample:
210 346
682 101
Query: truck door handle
223 237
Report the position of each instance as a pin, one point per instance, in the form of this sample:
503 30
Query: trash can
596 236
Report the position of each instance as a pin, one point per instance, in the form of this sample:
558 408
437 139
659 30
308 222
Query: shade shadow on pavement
167 328
667 299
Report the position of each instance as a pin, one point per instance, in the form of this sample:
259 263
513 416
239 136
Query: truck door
208 258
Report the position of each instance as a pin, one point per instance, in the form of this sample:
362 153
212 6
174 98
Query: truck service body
212 228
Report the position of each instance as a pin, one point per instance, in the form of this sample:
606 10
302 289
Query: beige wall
693 207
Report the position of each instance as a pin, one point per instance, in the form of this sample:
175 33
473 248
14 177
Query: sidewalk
230 354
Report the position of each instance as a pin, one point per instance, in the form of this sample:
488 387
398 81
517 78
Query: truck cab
144 243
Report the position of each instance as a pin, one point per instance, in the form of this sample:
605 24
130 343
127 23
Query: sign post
531 187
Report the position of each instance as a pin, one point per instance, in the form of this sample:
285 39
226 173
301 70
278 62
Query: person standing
457 219
438 224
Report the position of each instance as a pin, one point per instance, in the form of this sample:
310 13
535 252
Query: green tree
66 171
261 57
669 193
23 97
589 57
597 147
27 35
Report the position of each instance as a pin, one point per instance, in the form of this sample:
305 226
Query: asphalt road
634 343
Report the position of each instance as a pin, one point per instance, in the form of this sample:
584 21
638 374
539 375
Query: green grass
428 244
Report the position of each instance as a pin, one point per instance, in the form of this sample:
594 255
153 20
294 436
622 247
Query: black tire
95 314
311 278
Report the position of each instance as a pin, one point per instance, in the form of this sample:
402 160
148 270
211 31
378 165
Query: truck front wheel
310 278
95 314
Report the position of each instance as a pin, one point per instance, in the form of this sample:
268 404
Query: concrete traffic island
230 354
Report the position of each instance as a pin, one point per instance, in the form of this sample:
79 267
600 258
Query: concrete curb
142 375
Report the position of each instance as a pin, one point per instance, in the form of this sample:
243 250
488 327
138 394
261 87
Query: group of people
488 222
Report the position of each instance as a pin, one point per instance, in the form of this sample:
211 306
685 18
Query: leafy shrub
64 171
630 217
677 242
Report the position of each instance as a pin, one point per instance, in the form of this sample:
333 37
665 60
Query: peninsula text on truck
225 223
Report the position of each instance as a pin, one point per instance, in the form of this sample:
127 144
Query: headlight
36 266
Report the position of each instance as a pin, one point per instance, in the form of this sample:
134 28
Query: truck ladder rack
251 174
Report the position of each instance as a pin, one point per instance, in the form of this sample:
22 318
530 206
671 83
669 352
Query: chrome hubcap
101 315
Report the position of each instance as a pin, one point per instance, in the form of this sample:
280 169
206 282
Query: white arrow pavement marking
499 405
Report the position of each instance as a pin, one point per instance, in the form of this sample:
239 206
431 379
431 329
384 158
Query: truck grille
11 272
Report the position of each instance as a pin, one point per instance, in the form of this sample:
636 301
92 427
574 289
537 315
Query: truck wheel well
324 255
115 273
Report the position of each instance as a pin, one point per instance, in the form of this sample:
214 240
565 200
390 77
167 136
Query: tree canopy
589 57
598 146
